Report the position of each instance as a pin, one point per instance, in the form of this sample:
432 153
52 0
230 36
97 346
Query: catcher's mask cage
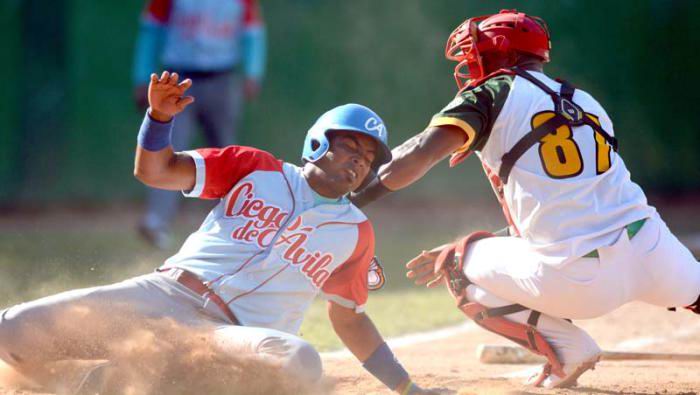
505 32
348 117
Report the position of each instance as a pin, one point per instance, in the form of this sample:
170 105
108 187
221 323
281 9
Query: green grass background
68 124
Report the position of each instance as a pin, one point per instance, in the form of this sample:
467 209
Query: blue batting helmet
351 117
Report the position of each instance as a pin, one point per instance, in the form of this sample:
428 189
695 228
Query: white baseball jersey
272 244
568 195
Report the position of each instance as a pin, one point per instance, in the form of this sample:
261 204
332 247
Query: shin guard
450 263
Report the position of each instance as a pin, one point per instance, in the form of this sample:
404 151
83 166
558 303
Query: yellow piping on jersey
468 129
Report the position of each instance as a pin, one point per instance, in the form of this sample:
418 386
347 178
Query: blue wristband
154 135
383 365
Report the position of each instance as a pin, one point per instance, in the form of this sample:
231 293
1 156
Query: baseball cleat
546 379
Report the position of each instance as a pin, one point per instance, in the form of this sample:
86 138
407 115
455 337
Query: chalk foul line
411 339
625 345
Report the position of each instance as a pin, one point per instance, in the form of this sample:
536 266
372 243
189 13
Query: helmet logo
374 125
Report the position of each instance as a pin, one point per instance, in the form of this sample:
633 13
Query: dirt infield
451 364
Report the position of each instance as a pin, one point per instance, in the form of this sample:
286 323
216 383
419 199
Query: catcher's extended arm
411 160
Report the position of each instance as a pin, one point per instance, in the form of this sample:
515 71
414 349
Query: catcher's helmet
350 117
507 31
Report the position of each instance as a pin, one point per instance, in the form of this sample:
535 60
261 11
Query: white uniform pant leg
673 271
571 343
582 289
652 267
296 357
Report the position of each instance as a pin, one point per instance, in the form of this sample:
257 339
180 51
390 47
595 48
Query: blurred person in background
221 46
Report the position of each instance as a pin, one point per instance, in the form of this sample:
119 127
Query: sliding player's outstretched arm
156 164
361 337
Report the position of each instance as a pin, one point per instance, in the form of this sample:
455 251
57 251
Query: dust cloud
142 357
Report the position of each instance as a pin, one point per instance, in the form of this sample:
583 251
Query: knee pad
307 363
299 359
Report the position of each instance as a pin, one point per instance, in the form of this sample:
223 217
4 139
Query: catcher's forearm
374 190
411 160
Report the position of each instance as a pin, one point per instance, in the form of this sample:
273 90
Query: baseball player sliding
280 235
583 240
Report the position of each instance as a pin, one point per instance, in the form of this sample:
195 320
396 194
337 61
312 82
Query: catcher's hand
166 96
421 269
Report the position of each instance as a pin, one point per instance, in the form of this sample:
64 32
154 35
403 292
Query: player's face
348 161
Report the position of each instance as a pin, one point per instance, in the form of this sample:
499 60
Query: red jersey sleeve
158 10
347 286
219 169
251 13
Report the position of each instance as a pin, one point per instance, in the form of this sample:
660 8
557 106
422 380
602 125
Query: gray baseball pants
97 323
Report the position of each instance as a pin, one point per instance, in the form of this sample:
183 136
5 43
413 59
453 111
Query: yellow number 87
559 153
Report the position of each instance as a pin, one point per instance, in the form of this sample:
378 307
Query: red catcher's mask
505 32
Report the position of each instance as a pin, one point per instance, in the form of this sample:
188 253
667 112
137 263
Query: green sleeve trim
478 108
